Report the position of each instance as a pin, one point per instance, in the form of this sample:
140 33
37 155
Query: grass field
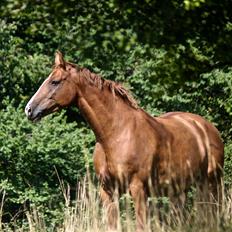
86 214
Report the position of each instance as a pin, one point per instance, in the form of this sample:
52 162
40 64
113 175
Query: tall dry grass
86 214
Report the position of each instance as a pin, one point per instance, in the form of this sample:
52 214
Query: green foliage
17 68
228 164
35 156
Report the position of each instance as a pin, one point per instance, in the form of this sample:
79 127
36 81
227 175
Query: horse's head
56 92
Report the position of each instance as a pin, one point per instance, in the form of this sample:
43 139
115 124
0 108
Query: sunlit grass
86 214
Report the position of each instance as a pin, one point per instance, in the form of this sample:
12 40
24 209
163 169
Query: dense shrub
35 156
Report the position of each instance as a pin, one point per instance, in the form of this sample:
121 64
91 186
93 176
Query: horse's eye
54 82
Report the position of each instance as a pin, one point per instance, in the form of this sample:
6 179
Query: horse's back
204 132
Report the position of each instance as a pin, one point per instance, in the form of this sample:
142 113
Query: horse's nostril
28 111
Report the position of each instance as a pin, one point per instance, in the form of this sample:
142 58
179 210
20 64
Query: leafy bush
34 156
20 72
228 165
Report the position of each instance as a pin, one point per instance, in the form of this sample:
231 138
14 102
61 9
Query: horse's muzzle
33 114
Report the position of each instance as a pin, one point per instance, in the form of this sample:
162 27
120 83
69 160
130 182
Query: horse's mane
114 87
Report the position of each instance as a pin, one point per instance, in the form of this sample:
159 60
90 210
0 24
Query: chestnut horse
134 151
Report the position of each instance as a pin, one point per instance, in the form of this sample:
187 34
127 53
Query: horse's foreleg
111 209
139 197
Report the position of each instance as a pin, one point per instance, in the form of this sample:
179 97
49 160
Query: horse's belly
178 173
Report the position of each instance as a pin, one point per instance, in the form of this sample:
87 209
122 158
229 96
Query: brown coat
134 151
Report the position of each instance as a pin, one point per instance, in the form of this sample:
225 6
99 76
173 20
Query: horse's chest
111 167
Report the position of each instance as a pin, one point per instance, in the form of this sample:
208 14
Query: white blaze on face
37 92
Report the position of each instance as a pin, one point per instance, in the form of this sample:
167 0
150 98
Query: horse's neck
103 111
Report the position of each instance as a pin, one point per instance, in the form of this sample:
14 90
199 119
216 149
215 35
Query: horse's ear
59 60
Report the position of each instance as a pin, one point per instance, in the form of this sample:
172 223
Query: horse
134 151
